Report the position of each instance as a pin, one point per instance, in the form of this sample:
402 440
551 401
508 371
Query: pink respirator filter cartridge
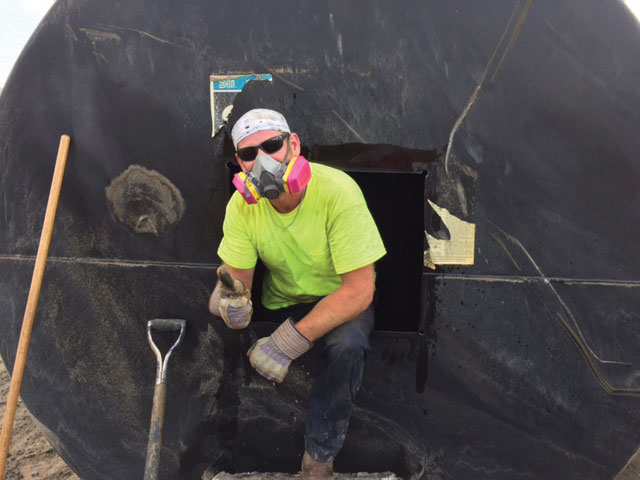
239 183
299 175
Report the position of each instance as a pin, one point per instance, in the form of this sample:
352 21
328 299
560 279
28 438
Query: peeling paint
140 32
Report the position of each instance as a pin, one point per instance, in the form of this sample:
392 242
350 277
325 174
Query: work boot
314 469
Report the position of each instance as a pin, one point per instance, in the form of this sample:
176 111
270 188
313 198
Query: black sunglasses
272 145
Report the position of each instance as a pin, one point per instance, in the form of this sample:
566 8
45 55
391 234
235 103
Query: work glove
271 356
234 300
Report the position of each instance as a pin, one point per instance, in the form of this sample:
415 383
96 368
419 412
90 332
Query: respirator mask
270 178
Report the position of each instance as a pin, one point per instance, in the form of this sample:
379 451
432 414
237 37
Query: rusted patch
145 200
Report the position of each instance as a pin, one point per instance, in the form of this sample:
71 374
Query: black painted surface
546 165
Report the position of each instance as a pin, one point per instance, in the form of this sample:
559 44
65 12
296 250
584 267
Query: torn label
459 249
223 90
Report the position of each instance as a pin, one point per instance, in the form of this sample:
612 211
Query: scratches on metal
604 283
474 95
514 37
69 32
96 36
588 356
6 202
534 280
282 79
564 305
573 329
113 262
351 129
99 35
99 55
504 247
480 278
140 32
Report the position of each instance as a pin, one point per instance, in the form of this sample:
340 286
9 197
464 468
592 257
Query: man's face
257 138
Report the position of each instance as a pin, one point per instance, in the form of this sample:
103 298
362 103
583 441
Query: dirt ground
32 457
30 454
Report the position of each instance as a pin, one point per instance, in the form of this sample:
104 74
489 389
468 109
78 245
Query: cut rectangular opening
396 202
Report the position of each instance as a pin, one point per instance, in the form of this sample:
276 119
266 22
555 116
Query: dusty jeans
342 352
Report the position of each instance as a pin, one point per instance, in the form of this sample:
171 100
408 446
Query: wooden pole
32 302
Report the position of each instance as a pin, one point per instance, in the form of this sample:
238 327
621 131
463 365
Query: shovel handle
152 462
167 324
32 302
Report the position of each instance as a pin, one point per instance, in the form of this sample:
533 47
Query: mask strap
285 165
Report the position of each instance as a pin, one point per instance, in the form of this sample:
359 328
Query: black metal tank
495 141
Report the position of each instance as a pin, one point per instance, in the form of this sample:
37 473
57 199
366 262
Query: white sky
19 18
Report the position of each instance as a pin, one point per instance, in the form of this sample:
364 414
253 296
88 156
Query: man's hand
271 356
234 300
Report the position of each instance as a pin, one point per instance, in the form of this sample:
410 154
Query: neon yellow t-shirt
333 233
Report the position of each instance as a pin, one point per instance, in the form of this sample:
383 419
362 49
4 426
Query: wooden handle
32 302
152 462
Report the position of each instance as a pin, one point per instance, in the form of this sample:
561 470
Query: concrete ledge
296 476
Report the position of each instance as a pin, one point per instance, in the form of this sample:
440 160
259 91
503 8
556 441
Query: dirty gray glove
271 356
234 300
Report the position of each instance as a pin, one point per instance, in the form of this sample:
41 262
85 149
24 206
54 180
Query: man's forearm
341 306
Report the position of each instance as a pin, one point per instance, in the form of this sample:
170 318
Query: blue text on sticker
238 83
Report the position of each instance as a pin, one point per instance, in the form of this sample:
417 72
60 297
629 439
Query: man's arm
271 356
346 303
244 275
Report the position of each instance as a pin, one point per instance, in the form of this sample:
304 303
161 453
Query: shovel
160 392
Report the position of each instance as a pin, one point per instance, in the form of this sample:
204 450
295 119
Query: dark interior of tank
496 145
399 273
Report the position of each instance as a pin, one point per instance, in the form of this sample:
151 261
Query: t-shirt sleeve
354 238
236 248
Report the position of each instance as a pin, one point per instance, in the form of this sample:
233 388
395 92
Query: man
310 226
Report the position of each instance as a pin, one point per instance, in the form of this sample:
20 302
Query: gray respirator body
267 176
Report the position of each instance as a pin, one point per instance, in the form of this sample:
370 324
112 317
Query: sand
30 454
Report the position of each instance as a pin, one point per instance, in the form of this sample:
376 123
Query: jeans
342 355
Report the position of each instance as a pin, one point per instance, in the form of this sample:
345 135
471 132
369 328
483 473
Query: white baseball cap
258 120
